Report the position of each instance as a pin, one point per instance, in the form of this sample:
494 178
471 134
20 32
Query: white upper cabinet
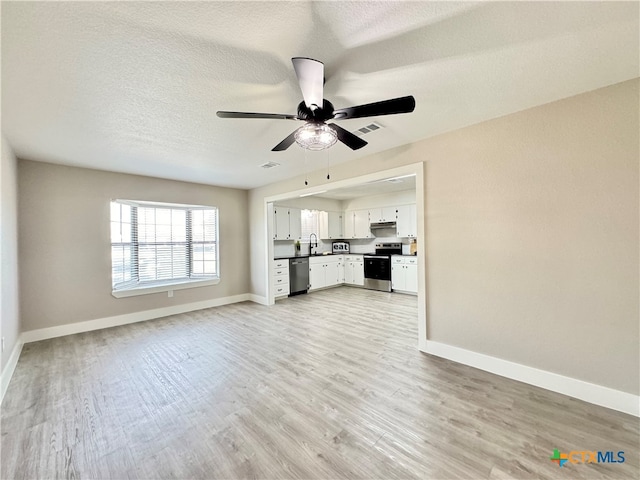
331 225
280 223
349 226
406 221
286 223
361 224
336 225
384 214
356 224
295 224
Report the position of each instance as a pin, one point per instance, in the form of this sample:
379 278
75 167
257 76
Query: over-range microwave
340 247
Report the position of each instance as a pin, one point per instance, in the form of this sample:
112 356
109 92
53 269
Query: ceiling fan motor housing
318 115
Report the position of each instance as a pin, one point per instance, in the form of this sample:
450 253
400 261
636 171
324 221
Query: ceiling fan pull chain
306 170
328 176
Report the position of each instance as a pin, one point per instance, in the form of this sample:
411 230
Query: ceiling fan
315 111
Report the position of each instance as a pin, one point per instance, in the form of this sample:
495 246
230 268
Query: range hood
380 225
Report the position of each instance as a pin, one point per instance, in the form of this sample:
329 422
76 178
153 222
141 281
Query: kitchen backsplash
285 248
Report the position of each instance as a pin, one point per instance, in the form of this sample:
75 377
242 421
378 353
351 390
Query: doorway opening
401 186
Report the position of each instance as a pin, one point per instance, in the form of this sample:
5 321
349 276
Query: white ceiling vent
367 129
270 165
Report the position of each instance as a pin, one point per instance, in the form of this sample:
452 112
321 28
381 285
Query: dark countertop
318 255
286 257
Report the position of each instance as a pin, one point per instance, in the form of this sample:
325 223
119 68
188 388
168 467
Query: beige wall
9 301
531 235
65 262
332 205
378 201
313 203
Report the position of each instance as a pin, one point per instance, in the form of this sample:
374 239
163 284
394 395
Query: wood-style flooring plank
322 386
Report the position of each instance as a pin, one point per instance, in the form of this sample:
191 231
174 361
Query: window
158 247
309 224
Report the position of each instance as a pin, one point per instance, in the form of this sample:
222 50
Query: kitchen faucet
314 244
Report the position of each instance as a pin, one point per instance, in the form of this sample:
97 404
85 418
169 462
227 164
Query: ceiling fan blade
286 143
277 116
385 107
310 75
349 139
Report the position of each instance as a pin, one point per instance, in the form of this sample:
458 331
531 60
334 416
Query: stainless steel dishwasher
298 275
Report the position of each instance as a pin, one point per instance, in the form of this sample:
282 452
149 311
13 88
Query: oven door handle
384 257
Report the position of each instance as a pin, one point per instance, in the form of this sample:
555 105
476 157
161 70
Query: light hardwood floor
321 386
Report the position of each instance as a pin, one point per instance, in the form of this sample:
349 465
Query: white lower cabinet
354 270
332 270
280 279
404 274
316 275
326 271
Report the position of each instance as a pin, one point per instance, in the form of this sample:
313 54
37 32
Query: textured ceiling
134 87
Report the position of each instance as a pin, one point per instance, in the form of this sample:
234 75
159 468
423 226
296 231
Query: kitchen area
361 237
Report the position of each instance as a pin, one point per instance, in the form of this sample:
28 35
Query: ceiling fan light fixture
316 136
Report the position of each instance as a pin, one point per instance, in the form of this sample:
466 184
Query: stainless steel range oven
377 268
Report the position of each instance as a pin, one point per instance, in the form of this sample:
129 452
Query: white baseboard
9 368
87 326
258 299
589 392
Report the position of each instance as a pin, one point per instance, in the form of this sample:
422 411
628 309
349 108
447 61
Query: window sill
165 287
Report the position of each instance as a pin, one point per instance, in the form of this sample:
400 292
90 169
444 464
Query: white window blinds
162 244
309 224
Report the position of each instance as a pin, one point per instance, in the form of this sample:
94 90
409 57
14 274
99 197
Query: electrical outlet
170 293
